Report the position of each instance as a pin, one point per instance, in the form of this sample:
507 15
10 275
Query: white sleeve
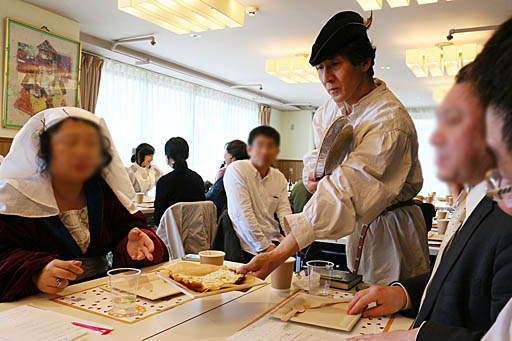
361 188
133 179
283 208
158 173
240 210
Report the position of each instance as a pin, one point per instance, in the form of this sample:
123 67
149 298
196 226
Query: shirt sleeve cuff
302 230
408 304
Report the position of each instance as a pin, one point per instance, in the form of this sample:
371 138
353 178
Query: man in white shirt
256 193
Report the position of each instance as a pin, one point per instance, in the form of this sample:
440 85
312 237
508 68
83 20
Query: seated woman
180 185
65 202
234 151
142 173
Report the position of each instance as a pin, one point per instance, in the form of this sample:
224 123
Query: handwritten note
30 323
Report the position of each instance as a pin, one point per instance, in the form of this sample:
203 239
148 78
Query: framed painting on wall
41 70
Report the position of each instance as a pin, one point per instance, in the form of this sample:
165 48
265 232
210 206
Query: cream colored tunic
143 179
383 169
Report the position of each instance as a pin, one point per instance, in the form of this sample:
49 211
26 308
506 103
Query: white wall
296 132
30 14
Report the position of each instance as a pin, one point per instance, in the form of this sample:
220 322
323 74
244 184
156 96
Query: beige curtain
90 76
264 114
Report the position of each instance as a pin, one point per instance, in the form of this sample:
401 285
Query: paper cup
212 257
442 224
441 214
281 278
139 198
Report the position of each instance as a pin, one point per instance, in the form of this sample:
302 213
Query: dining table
214 317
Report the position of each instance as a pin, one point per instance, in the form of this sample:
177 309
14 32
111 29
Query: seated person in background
142 174
470 282
256 192
180 185
299 197
66 201
234 151
495 88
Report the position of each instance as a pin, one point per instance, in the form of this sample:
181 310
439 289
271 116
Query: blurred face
75 152
263 151
228 158
147 161
341 79
494 126
459 139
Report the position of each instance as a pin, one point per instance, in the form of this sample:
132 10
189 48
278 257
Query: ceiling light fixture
398 3
370 5
185 16
292 69
424 2
435 60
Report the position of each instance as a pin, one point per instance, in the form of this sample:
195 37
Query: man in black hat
369 196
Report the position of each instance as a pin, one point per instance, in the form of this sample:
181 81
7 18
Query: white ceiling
288 27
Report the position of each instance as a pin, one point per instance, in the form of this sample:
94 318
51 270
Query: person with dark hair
234 151
181 184
256 193
369 196
142 173
67 202
493 71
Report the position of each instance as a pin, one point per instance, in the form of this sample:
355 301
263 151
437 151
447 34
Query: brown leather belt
364 230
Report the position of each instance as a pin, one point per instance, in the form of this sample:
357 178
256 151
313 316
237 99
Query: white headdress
26 192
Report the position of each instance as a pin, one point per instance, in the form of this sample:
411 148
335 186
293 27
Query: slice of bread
216 280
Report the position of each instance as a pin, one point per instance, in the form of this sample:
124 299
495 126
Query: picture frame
41 70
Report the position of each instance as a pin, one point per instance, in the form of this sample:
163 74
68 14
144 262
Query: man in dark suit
470 283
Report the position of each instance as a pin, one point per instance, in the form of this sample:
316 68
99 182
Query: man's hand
312 183
402 335
270 248
389 300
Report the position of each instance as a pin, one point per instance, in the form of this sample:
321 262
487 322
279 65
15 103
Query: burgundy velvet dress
28 244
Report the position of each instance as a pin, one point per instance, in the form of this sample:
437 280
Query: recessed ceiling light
385 67
195 35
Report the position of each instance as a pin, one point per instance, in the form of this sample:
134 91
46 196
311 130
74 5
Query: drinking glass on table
319 274
123 285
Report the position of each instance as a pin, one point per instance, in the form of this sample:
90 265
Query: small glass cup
123 284
319 274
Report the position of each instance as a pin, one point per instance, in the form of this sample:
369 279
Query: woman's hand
139 245
56 275
402 335
389 300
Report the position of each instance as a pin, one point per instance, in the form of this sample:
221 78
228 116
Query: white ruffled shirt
383 169
143 178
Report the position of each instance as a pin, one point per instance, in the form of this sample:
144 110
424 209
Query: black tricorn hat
342 29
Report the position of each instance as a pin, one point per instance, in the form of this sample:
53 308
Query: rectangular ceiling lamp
469 52
424 2
272 68
451 58
304 70
370 5
184 16
433 61
398 3
416 62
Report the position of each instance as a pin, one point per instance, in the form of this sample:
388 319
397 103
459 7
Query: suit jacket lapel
452 255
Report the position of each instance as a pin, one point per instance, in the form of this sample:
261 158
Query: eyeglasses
498 187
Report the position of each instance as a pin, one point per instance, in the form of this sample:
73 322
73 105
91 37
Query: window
144 106
425 122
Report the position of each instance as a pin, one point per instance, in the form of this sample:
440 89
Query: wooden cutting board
196 269
332 316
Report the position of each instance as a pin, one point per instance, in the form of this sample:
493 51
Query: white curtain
144 106
425 122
